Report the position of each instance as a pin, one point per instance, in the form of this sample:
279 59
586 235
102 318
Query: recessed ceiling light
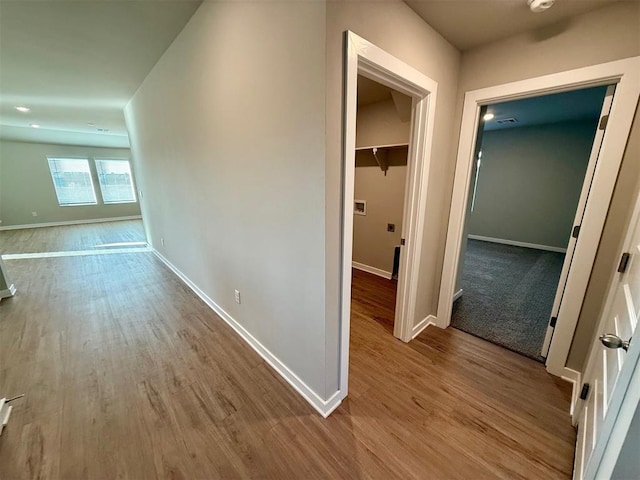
91 124
23 109
488 116
35 125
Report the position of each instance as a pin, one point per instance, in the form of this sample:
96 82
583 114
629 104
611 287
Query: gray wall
380 124
260 200
530 182
372 244
26 185
227 135
603 35
394 27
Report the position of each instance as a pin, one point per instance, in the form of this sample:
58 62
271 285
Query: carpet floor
508 295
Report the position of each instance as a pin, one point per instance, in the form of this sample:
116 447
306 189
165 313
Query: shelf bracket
381 158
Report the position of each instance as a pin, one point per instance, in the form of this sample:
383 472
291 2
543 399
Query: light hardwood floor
127 374
71 237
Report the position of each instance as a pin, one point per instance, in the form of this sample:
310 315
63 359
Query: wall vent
507 121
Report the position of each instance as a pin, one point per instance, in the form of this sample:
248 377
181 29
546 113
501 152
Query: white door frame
626 75
364 58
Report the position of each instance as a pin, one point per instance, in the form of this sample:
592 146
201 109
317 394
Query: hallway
128 374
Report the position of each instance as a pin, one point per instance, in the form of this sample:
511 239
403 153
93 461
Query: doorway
625 74
534 165
365 59
383 125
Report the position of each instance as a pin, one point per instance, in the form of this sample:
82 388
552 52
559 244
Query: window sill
78 204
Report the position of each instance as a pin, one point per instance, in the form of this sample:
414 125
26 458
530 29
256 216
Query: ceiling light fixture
488 116
23 109
91 124
35 125
538 6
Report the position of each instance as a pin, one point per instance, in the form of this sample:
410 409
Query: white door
582 203
612 363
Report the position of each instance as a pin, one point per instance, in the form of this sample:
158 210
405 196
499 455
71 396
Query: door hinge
576 231
552 322
624 262
402 241
603 122
584 393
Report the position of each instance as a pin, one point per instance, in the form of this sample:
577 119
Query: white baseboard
573 376
518 244
70 222
9 292
373 270
422 324
457 295
324 407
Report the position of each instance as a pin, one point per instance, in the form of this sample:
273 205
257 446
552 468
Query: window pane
72 181
116 182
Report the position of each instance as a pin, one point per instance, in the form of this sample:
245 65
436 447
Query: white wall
530 182
227 134
26 185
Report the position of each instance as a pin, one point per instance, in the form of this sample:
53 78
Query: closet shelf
382 153
370 147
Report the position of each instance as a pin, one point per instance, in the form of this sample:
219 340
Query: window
116 182
72 181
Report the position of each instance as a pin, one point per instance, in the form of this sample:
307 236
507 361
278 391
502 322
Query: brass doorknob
610 340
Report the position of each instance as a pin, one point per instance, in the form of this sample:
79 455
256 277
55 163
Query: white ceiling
470 23
79 62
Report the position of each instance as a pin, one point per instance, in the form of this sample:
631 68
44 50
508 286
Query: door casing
626 75
364 58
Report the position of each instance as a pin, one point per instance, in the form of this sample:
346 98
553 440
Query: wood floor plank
127 374
70 237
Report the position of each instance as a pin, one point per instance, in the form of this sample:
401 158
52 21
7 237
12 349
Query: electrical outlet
237 294
162 241
34 214
391 227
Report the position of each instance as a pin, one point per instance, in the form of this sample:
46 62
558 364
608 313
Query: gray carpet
508 295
